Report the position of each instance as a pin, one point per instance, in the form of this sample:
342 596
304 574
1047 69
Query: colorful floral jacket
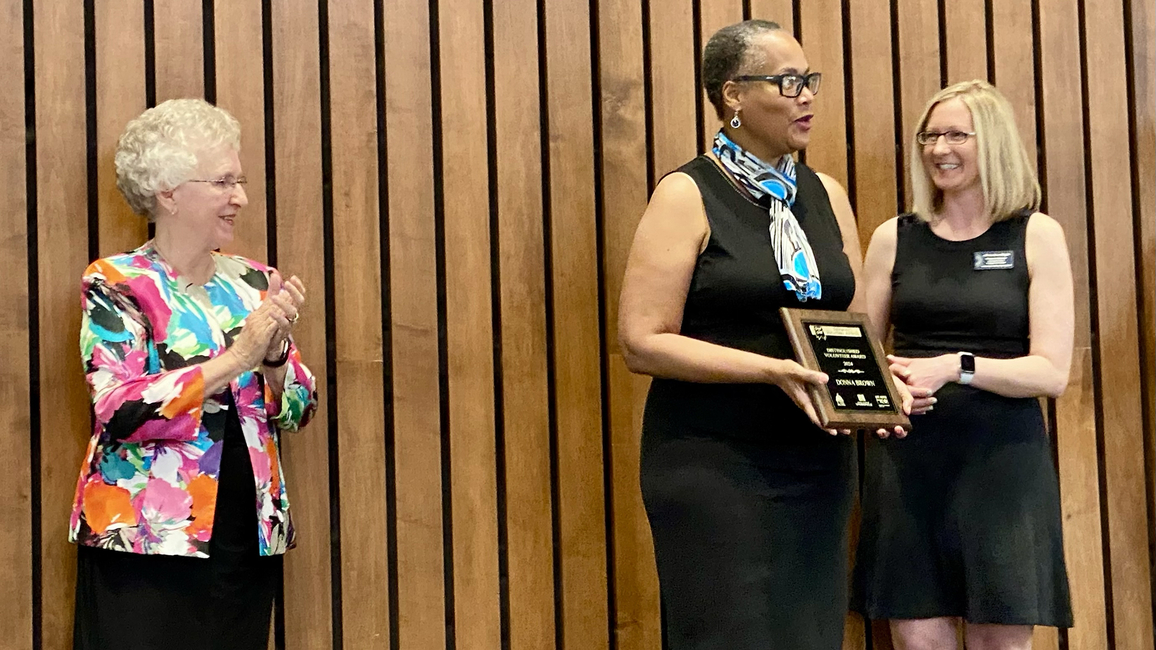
148 483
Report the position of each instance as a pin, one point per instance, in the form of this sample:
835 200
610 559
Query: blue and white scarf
793 252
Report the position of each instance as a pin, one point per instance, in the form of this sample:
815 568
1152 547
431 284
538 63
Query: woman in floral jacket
181 512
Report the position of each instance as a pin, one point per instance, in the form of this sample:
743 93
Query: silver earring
735 121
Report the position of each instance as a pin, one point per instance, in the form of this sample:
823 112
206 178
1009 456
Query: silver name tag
990 260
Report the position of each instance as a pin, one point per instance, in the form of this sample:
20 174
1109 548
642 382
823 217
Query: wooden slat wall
458 182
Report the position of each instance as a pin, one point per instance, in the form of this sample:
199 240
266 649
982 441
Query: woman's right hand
261 326
795 380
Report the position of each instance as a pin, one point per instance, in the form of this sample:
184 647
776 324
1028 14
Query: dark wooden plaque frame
796 321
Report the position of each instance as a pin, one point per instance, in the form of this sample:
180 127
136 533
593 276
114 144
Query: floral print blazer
148 483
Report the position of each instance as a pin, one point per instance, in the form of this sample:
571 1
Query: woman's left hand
929 373
289 295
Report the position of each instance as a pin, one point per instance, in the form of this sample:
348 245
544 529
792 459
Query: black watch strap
281 358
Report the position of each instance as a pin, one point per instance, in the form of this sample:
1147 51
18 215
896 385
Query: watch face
967 363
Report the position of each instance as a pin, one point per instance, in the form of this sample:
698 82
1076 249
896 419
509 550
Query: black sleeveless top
734 300
971 295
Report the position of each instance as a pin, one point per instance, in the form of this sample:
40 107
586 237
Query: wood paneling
1143 113
356 228
622 183
713 16
919 74
300 251
473 172
62 245
673 60
16 486
522 271
1116 323
1013 51
965 31
778 11
581 502
1065 200
417 419
874 198
120 87
822 38
240 90
179 43
469 324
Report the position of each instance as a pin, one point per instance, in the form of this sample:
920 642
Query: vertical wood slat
300 247
578 388
1075 412
919 55
120 96
525 396
779 11
413 296
822 39
1013 49
873 111
240 90
965 32
1143 57
672 86
469 333
357 278
713 15
178 28
62 246
15 420
623 184
873 145
1116 323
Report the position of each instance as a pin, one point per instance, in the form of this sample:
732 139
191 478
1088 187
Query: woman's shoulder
1042 231
116 269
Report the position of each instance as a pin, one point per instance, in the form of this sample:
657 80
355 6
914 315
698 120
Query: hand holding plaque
860 393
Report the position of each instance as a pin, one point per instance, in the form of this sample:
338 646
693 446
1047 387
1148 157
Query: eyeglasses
790 85
953 137
223 184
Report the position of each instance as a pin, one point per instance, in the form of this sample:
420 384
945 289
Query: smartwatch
966 367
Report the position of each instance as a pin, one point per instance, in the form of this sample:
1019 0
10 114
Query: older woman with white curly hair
181 513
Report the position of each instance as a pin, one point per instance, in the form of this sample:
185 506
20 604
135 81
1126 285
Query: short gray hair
158 150
726 53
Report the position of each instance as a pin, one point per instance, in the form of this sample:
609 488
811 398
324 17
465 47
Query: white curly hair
158 150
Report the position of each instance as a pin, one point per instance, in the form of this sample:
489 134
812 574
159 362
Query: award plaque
860 393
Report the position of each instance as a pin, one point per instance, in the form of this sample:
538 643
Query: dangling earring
735 121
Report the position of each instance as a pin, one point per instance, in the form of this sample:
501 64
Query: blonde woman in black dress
961 520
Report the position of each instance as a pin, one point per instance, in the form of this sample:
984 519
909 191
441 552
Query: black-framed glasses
224 184
790 85
952 136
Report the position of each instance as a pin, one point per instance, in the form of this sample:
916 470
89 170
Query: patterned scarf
793 252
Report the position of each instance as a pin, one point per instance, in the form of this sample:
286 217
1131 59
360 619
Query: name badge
992 260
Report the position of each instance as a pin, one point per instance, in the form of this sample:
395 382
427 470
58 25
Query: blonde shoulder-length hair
1005 171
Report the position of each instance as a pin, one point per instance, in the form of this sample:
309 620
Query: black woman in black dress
961 520
747 497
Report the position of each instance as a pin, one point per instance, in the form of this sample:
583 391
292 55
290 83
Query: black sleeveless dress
748 501
962 517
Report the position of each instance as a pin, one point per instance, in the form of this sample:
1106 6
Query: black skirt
962 518
126 601
750 528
